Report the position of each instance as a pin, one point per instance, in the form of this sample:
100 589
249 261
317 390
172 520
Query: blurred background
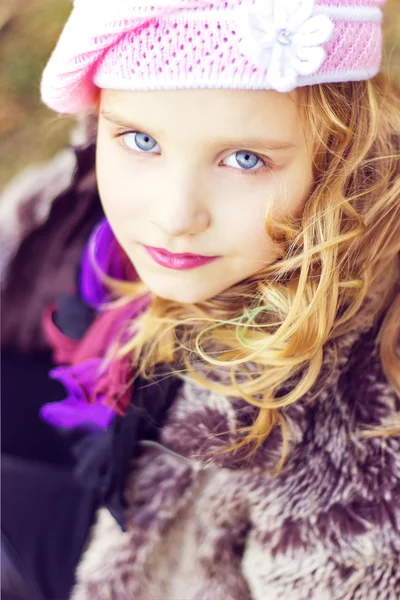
30 133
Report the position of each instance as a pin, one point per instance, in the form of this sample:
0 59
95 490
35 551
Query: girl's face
193 172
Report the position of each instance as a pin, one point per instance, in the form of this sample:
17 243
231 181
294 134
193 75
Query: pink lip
178 262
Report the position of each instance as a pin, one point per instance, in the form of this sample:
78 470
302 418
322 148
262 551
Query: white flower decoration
284 37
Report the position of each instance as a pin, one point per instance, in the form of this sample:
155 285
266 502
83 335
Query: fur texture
326 528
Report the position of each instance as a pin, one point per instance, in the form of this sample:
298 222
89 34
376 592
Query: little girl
242 365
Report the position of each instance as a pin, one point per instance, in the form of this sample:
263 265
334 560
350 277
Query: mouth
178 262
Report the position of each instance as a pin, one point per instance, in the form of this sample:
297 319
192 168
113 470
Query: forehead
209 114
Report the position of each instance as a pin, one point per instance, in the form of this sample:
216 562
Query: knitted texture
181 44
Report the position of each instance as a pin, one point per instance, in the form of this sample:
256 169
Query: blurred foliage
29 132
28 32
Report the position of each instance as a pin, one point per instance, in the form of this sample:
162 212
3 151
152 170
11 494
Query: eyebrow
256 142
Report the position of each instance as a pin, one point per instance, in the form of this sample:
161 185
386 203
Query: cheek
292 188
284 194
110 184
242 224
118 184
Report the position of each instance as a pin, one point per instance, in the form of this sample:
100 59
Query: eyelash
266 166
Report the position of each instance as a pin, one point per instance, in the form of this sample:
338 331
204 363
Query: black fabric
14 580
25 387
73 317
104 459
46 516
49 503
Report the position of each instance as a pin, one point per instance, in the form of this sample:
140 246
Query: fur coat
326 528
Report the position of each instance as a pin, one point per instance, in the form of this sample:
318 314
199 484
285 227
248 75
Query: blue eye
141 142
245 160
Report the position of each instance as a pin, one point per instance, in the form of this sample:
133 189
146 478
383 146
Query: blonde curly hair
345 243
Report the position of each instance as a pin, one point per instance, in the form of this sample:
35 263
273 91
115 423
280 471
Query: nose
182 208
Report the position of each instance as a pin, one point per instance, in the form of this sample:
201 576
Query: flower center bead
285 37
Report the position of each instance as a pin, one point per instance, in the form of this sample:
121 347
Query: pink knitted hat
180 44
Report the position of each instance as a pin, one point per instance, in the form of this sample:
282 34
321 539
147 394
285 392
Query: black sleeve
46 518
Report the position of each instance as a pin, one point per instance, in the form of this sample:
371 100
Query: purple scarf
98 387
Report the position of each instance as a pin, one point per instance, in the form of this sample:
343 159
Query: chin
175 286
176 292
185 296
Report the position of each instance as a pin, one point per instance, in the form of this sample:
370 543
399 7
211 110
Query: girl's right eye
140 142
